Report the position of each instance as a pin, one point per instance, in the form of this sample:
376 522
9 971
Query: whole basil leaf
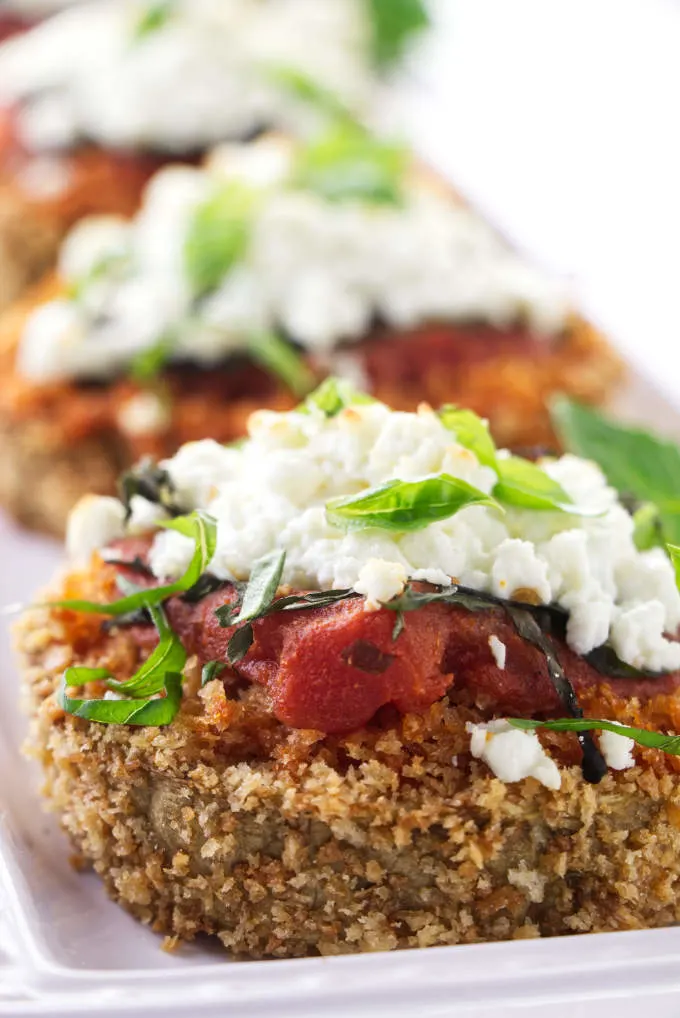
282 360
633 460
524 485
218 235
471 432
406 505
394 24
334 395
202 529
349 164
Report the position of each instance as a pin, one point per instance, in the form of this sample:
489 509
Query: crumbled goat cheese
271 493
95 521
197 79
380 581
318 270
617 750
498 650
511 754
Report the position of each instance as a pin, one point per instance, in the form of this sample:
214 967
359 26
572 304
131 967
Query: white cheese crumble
617 750
271 493
320 271
94 522
511 754
498 651
201 76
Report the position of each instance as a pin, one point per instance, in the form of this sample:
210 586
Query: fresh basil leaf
207 584
314 599
647 533
80 675
348 164
168 656
471 432
305 88
282 360
154 16
202 529
218 236
593 765
643 737
265 579
634 461
211 670
240 643
524 485
674 553
394 24
334 395
152 483
156 712
148 364
406 505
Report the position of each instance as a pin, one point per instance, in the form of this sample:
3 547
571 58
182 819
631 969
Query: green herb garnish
202 529
147 364
634 461
218 236
394 24
349 164
305 88
140 703
151 482
406 505
154 16
334 395
211 670
651 740
471 432
281 359
521 483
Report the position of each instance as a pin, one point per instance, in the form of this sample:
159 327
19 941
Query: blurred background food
284 260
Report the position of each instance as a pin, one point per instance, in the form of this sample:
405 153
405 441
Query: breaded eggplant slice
77 437
286 842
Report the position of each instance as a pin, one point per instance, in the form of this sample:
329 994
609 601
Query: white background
561 120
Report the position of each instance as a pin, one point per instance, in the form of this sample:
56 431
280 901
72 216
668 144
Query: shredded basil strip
148 363
282 360
633 460
349 164
305 88
334 395
218 235
203 531
152 483
406 505
211 670
139 705
394 24
643 737
152 712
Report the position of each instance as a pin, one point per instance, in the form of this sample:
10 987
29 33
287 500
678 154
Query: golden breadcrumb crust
286 843
70 437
